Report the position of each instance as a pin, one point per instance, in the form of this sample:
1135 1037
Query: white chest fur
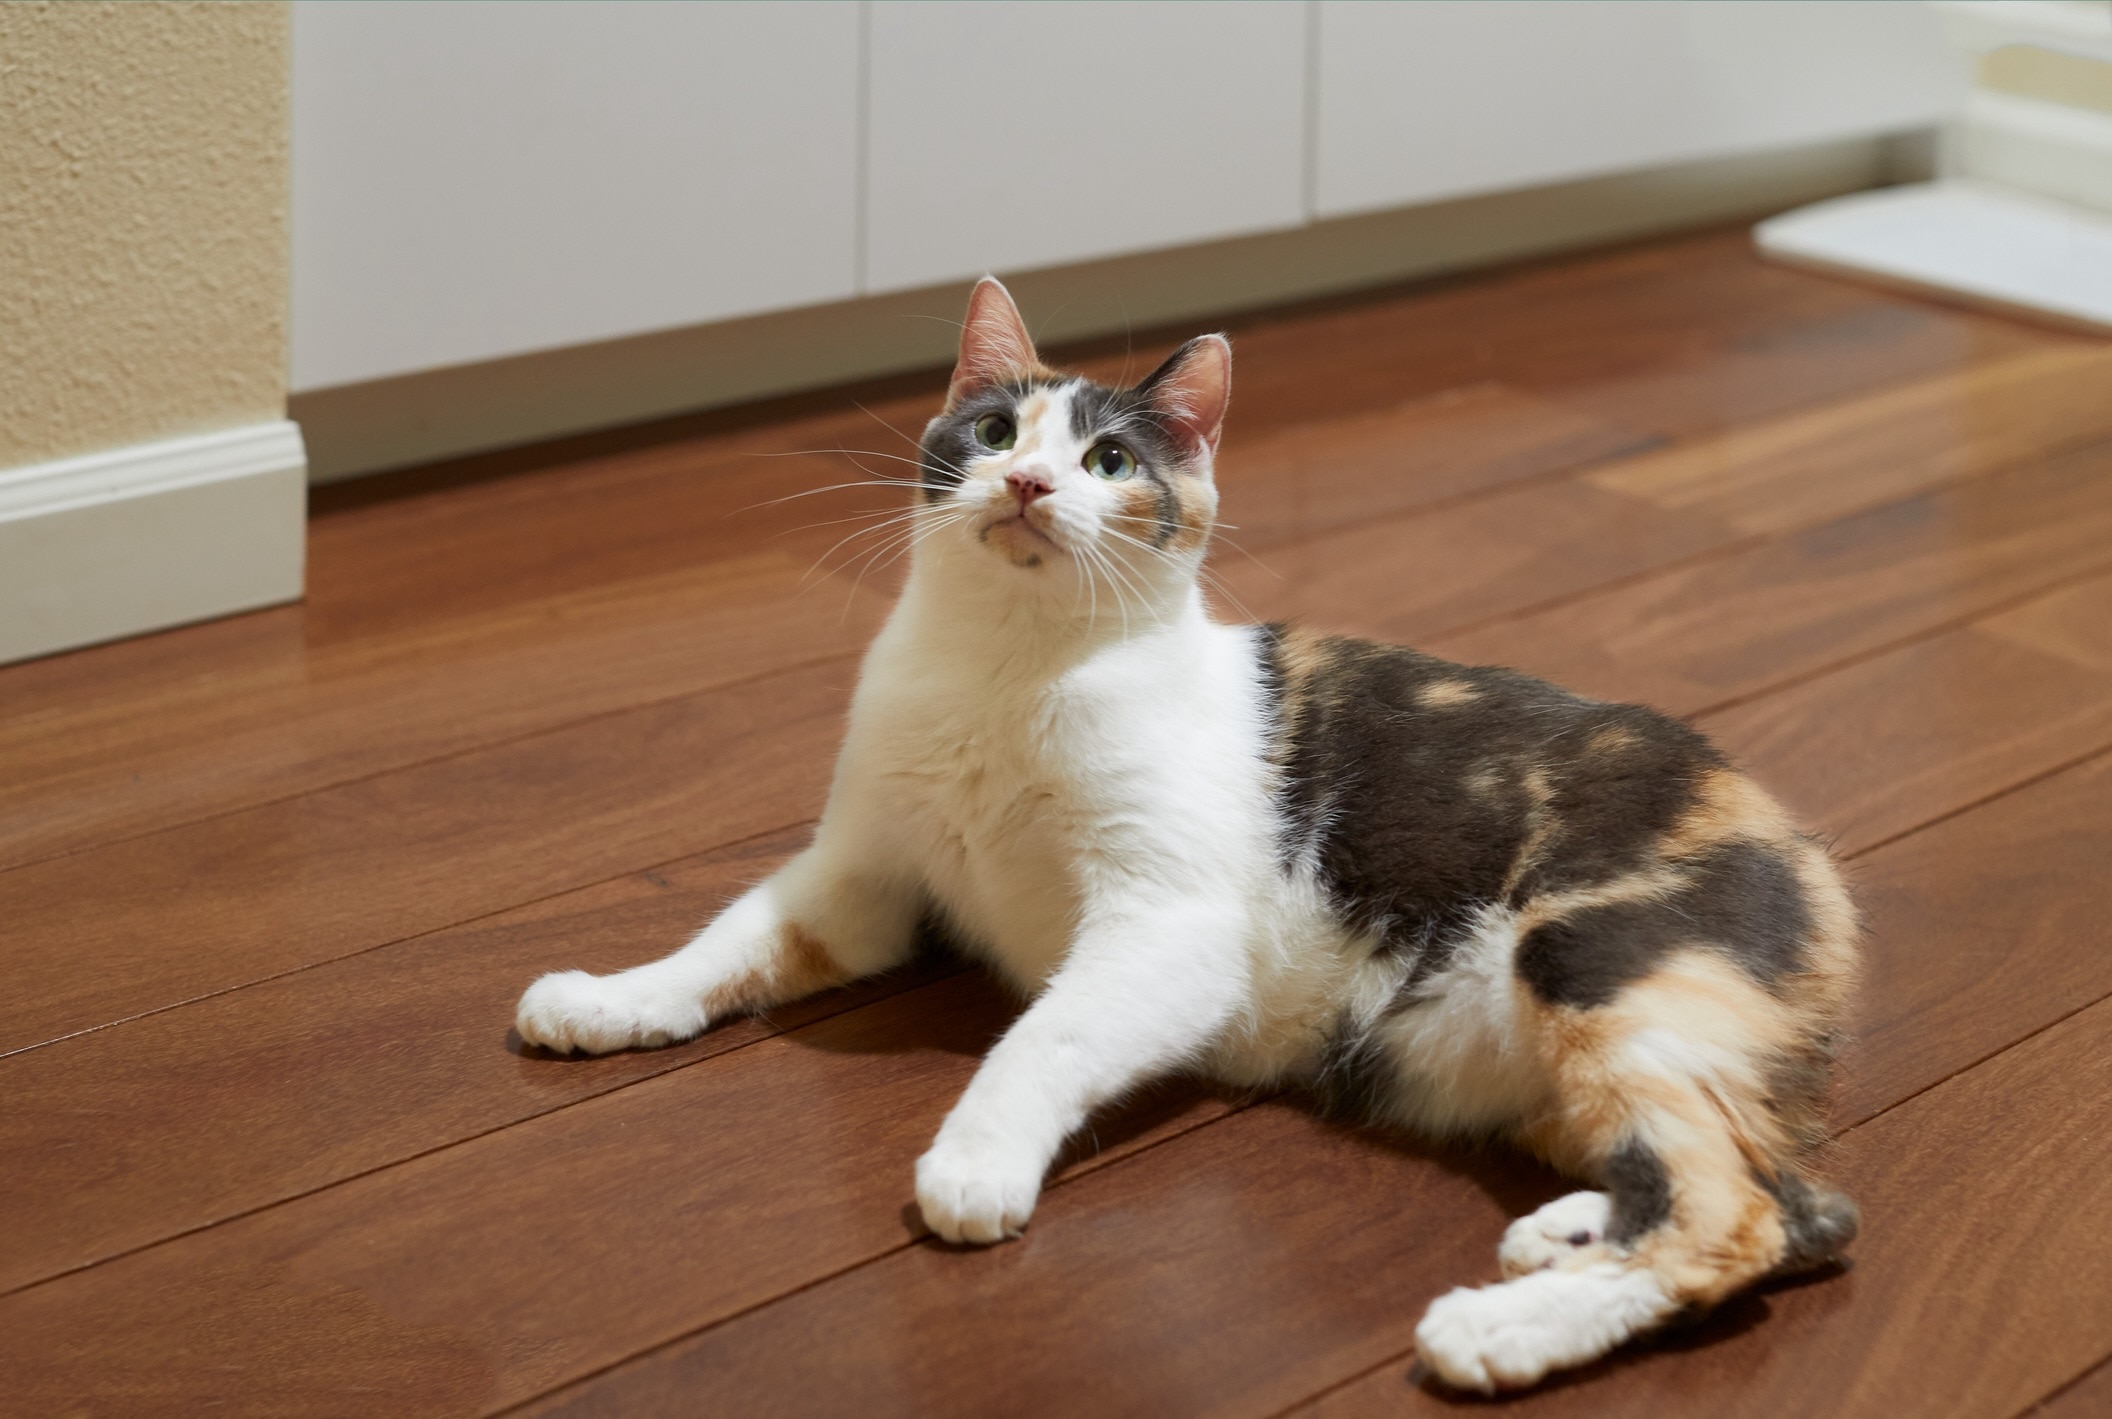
1023 777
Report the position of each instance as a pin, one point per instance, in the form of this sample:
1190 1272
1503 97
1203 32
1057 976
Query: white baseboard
151 535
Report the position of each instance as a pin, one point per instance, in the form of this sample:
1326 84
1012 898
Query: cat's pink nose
1027 484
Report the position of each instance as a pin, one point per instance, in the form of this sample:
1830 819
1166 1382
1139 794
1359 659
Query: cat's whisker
1092 561
889 427
893 513
835 453
917 538
864 560
854 453
831 488
820 563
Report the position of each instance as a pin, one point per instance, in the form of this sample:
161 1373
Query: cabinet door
472 180
1421 102
1023 134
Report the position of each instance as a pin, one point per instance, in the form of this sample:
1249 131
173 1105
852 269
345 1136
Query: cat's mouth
1019 539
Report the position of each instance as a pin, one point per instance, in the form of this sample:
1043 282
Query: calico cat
1452 899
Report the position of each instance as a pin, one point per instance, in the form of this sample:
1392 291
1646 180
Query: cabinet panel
472 181
1422 102
1022 134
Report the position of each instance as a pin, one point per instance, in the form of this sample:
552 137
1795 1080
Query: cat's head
1065 482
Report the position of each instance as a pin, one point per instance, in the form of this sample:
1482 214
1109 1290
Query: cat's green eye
996 431
1110 461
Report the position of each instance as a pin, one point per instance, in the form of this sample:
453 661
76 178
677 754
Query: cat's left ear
995 345
1191 389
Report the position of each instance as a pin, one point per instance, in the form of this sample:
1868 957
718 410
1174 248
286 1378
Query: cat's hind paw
1515 1333
1565 1232
571 1010
975 1193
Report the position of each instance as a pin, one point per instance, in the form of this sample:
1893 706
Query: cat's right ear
995 346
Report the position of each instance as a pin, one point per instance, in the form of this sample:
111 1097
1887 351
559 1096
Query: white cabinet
1423 102
479 180
1009 134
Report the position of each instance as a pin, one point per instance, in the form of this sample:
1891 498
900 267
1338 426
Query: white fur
1512 1334
1466 1067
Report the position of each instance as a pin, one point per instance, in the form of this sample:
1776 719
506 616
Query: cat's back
1424 794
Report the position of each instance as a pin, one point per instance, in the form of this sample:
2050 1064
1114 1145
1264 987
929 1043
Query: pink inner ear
1193 394
995 345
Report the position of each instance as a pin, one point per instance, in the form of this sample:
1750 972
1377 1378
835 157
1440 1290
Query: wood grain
2089 1397
1983 928
237 732
1696 636
1839 458
1885 744
1522 546
206 907
134 1134
485 1272
1300 479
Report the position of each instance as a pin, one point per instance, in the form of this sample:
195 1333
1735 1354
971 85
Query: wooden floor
269 888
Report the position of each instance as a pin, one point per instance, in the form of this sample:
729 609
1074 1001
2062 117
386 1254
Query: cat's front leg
825 918
1140 994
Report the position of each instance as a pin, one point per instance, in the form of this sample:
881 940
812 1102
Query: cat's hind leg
823 919
1671 1097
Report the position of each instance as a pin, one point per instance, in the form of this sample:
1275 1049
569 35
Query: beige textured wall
143 222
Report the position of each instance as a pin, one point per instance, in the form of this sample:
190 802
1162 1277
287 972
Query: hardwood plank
2089 1397
1700 635
224 733
1520 547
1248 1265
1420 576
1880 746
128 1136
478 1275
1269 1254
1819 463
1983 928
1299 479
202 908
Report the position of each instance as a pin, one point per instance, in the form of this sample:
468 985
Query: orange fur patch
801 967
1728 805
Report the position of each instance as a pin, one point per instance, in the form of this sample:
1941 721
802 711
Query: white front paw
570 1010
976 1192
